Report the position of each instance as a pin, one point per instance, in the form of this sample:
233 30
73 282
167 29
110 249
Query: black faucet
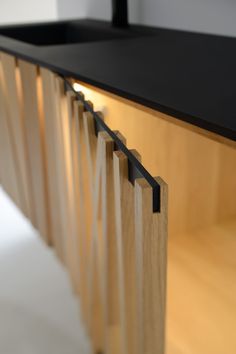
120 13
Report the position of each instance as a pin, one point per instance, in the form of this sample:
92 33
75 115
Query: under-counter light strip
135 168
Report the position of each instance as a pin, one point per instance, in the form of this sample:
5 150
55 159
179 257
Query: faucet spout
120 13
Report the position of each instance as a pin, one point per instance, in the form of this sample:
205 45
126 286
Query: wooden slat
66 182
125 238
151 259
60 157
96 304
80 178
110 262
16 128
50 116
35 147
73 245
7 166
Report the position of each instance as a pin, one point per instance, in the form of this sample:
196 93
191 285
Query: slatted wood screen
74 187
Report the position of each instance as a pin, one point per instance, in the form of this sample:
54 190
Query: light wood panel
201 301
193 164
16 128
110 262
126 254
66 180
7 164
96 303
35 147
200 169
85 211
151 256
50 104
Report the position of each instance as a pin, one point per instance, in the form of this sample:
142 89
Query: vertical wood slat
51 122
60 157
66 190
97 254
35 147
96 305
84 209
103 227
110 263
102 278
13 108
125 239
8 169
72 184
151 259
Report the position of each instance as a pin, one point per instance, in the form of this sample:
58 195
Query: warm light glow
77 87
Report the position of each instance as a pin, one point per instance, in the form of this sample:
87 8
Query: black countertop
187 75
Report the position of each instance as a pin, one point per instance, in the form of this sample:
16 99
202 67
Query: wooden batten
16 129
151 260
126 253
50 104
71 159
110 255
11 173
84 209
96 310
35 146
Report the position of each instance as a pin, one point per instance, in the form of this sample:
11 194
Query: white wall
210 16
72 8
99 9
15 11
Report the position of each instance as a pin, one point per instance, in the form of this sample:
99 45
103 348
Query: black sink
66 32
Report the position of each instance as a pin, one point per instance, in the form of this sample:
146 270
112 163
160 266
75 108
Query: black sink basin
66 32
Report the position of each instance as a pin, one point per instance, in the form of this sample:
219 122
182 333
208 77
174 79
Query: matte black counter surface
186 75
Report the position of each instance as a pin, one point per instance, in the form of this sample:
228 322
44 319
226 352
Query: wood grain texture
7 165
66 182
73 203
95 278
110 261
35 146
151 257
201 310
16 129
126 253
192 164
50 116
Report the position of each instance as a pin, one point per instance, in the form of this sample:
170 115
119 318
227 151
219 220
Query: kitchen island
84 126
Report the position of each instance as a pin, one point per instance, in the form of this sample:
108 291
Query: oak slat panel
66 179
50 109
16 128
8 167
125 235
82 235
73 203
96 304
151 259
110 262
78 108
35 148
60 155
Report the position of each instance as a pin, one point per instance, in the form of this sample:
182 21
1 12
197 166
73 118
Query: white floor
38 313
